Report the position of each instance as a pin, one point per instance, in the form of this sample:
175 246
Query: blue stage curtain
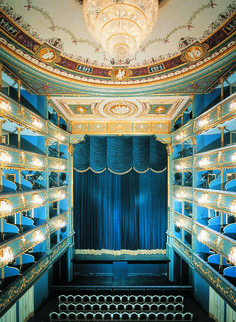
120 154
120 211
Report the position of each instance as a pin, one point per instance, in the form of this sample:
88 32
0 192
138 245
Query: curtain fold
120 212
120 154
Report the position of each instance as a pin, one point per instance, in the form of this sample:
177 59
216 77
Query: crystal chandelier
120 25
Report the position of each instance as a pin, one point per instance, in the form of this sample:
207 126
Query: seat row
148 307
94 317
120 299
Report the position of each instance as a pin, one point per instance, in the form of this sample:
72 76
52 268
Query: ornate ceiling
46 45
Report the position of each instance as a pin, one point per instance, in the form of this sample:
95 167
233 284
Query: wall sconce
203 236
37 123
5 157
180 223
232 255
233 157
6 255
204 161
203 199
233 206
60 137
180 194
37 199
38 236
61 223
180 136
5 206
233 105
4 105
203 122
37 162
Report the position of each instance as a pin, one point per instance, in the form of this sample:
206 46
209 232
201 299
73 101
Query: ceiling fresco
60 24
46 36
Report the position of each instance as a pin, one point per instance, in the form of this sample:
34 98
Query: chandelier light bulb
120 26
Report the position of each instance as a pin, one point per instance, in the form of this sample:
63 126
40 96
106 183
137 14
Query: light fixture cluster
120 26
180 194
180 223
6 255
5 206
5 157
37 123
60 137
180 166
60 166
37 162
180 136
204 161
37 199
203 236
38 236
203 199
232 255
233 157
60 195
61 223
233 105
4 105
203 122
233 206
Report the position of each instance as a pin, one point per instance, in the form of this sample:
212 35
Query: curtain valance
120 154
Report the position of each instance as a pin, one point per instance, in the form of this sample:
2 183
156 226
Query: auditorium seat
124 299
178 317
179 307
71 307
86 298
146 307
143 317
80 316
140 299
134 316
62 299
109 299
179 299
163 299
63 316
116 317
132 299
97 307
87 307
125 316
116 299
107 316
187 317
80 307
170 307
98 316
137 307
160 317
169 317
70 299
152 316
78 299
148 299
62 307
112 307
155 299
93 299
72 316
89 316
154 307
54 317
